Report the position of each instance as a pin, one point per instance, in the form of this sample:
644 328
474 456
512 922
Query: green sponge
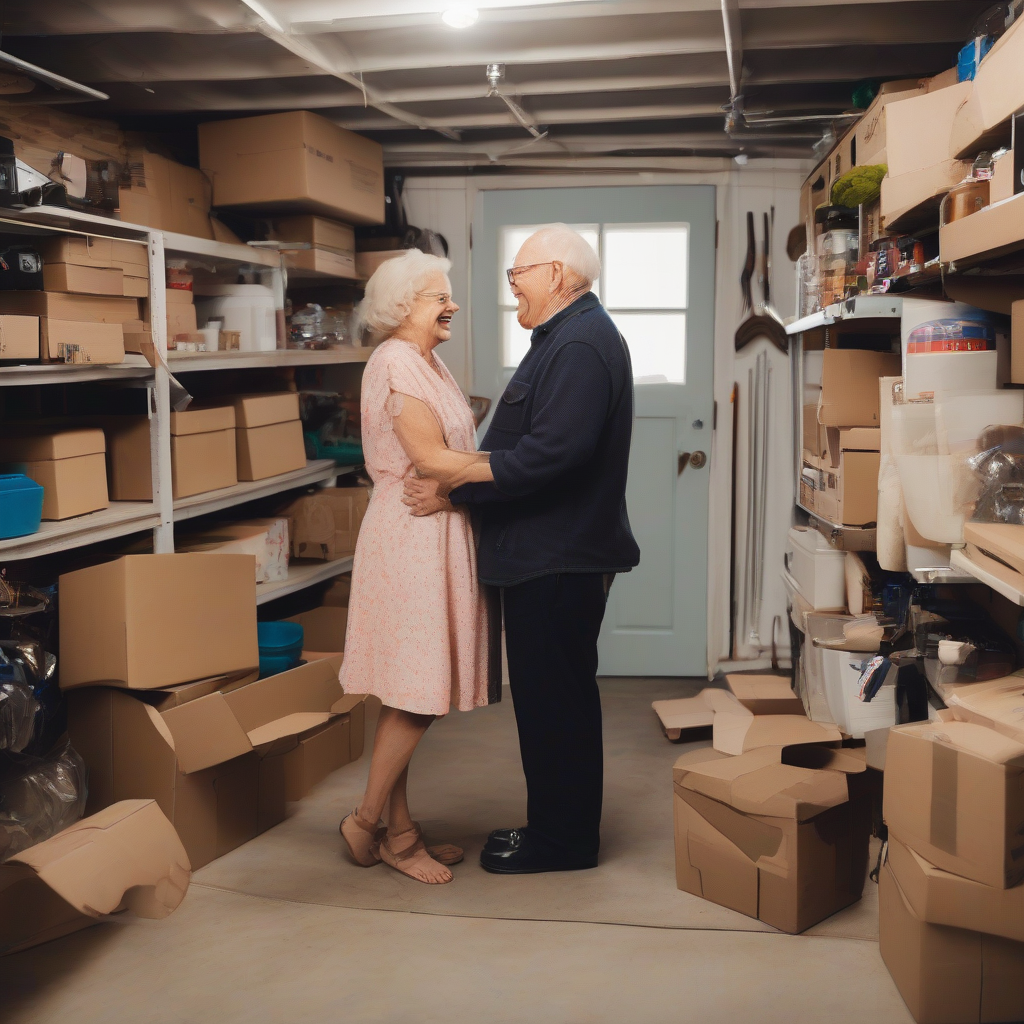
858 185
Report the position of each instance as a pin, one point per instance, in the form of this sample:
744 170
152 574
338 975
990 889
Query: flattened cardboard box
947 974
222 765
125 857
152 621
955 795
783 844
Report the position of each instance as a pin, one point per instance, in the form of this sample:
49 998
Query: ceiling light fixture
461 16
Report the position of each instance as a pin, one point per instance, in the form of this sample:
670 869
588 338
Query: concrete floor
280 930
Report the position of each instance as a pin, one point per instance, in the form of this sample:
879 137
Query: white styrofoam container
817 568
842 672
246 308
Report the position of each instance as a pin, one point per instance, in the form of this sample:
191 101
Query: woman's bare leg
398 733
399 815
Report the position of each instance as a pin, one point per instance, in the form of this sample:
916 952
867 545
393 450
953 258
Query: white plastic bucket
246 308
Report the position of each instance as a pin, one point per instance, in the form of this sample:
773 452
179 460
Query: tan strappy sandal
444 853
400 859
376 832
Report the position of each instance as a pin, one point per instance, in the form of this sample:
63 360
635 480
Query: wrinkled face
432 309
535 280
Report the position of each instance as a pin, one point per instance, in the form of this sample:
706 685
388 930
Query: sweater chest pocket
512 413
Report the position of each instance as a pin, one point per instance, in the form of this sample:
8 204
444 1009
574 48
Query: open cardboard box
765 694
737 730
955 795
782 843
223 764
125 857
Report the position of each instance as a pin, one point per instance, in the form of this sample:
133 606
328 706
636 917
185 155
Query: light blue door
657 245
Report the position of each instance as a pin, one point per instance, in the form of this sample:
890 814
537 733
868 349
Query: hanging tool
764 321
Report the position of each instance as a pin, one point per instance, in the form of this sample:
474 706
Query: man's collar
577 305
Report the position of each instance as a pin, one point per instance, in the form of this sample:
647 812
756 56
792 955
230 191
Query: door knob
698 459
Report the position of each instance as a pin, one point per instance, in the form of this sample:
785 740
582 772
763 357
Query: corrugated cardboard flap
736 734
289 725
203 420
205 732
970 738
348 703
127 856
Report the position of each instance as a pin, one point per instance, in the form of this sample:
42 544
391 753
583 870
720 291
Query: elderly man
554 530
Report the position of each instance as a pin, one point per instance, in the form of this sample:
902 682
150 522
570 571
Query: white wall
446 204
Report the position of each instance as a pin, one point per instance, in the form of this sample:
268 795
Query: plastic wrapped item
306 328
18 710
39 797
837 263
999 470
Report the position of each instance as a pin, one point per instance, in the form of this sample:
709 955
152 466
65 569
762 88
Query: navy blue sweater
559 443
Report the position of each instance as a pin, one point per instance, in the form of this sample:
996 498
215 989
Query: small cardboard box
324 628
221 766
785 844
296 161
131 257
849 386
326 524
990 228
320 261
954 794
151 621
265 539
947 974
269 451
940 897
75 341
765 695
69 465
136 286
918 128
71 277
320 232
850 495
181 312
19 337
263 410
125 857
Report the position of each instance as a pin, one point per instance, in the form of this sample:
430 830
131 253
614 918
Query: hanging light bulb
460 16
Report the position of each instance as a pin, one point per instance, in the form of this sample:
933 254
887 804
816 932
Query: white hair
390 291
570 248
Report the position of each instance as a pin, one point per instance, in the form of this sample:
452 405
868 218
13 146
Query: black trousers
551 629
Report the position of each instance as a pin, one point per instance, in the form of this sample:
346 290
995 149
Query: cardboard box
222 765
338 593
202 453
850 476
784 844
765 695
368 262
181 312
166 195
73 341
151 621
321 233
135 286
915 197
126 857
68 464
174 696
1001 185
262 410
319 261
296 161
324 628
1017 342
269 451
19 337
918 128
681 717
70 277
992 228
81 250
955 794
93 309
326 524
871 131
815 441
947 974
737 731
131 257
997 93
849 386
265 539
996 703
940 897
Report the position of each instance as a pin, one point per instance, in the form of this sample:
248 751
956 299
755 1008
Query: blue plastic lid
275 636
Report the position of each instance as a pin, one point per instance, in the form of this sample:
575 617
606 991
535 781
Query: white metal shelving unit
124 518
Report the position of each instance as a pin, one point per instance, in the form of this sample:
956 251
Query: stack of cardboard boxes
951 894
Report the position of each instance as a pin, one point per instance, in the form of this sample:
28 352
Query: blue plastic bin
280 646
21 505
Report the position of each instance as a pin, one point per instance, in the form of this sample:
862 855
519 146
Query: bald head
554 267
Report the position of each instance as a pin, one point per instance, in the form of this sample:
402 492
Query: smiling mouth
445 319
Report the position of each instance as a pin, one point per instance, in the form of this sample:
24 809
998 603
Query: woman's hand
424 498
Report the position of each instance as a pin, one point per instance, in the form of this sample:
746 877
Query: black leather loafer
519 852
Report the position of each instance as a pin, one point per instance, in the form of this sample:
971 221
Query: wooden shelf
189 362
118 520
300 576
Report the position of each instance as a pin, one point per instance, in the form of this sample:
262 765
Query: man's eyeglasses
513 272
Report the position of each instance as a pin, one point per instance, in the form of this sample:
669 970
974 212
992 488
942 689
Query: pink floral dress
418 635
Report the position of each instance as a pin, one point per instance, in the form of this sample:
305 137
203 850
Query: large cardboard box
81 250
997 93
947 975
954 793
166 195
125 857
784 844
265 539
940 897
19 337
849 386
268 435
996 703
73 341
68 464
220 766
764 694
920 192
94 309
918 128
324 628
151 621
326 524
296 161
367 263
202 453
71 277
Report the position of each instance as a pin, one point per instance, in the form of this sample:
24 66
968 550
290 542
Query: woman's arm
421 437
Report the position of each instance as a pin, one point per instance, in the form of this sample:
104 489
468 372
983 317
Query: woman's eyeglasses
443 298
513 272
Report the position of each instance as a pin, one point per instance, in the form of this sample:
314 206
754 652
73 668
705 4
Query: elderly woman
418 633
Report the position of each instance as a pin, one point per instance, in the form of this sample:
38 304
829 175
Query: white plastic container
246 308
842 684
960 419
817 568
939 492
931 372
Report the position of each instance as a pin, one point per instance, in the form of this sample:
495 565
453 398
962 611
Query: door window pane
515 339
657 344
645 266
